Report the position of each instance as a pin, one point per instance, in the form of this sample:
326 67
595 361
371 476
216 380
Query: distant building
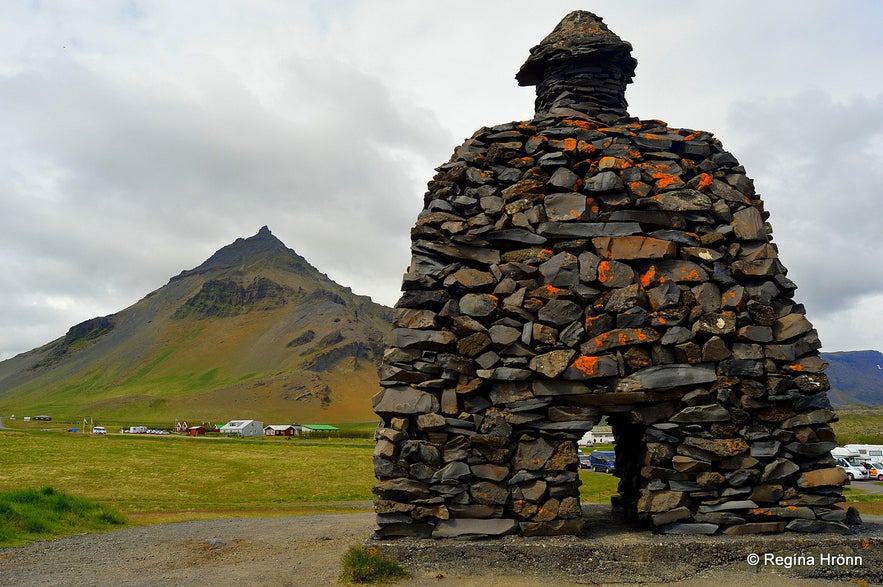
243 428
280 430
196 431
322 429
598 435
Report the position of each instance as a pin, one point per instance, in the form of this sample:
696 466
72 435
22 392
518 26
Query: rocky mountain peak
247 252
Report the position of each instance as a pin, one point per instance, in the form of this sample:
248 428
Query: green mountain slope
253 332
856 378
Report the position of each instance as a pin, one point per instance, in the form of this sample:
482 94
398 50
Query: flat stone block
754 528
474 527
554 528
818 527
695 528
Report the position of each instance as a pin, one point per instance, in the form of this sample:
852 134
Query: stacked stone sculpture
586 264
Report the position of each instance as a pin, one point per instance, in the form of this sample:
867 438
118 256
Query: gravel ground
294 550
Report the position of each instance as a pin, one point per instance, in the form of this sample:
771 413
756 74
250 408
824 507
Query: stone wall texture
584 264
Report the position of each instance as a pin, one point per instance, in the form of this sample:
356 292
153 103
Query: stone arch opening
586 263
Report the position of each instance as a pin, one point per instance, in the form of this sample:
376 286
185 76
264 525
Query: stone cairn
585 264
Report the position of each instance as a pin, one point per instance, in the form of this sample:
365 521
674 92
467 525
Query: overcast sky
136 138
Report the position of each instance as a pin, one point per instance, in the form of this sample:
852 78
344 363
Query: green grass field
859 426
36 514
161 479
165 478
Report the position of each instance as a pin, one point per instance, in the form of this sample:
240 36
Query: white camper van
848 460
867 452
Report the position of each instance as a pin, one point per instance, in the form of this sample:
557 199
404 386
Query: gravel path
242 551
282 552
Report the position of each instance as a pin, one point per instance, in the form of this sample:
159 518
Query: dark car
603 461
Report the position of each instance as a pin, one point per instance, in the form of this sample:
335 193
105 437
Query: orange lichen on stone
551 289
570 144
601 339
588 365
604 272
666 180
521 161
705 180
585 147
578 123
648 277
691 136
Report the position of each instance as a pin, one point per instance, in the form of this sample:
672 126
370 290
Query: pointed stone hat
581 38
582 65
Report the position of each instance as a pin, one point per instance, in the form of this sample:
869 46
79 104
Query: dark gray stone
562 207
689 528
464 527
570 230
667 377
404 401
818 527
560 312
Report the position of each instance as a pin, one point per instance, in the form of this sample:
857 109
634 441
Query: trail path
274 551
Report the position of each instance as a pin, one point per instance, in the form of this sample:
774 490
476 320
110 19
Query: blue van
603 461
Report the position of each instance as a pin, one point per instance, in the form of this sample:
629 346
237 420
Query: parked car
853 470
875 469
585 461
603 461
99 430
43 418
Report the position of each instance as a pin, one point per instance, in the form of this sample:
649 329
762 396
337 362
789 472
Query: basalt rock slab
586 264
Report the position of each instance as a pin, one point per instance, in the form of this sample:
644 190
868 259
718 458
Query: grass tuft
369 566
40 514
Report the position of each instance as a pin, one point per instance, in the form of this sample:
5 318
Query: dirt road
297 550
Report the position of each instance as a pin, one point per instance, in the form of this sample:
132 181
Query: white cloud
141 137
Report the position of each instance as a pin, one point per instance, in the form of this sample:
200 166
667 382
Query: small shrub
369 566
38 514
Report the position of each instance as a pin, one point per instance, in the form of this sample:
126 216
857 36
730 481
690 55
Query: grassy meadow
153 479
859 425
38 514
161 479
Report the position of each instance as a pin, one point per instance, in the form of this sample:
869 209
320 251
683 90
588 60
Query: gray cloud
819 165
137 142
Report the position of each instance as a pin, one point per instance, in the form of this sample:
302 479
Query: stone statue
581 265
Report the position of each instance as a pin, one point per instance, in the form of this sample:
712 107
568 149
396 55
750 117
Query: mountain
856 378
254 332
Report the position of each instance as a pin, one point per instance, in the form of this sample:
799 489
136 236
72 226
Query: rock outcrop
584 264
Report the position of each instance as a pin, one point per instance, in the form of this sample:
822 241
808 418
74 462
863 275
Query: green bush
39 514
369 566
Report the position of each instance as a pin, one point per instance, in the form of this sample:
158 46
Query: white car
854 472
99 430
875 469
